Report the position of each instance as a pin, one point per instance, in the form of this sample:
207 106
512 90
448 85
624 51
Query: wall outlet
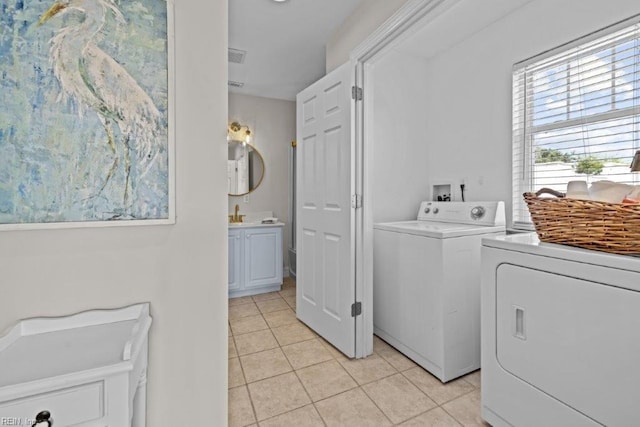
246 198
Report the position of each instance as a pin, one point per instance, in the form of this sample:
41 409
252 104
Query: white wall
273 126
181 269
363 21
469 107
399 149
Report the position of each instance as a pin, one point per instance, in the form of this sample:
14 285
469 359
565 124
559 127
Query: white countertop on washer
529 243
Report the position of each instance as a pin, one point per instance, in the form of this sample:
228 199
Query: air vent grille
236 56
235 84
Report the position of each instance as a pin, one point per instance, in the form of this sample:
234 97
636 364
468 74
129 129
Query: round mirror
245 168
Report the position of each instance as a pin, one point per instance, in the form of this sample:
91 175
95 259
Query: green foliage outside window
548 155
590 166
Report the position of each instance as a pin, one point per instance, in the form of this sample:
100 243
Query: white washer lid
438 230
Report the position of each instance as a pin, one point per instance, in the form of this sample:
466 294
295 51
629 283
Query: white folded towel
635 193
610 192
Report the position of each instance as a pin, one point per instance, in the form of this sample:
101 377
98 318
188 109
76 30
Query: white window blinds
576 114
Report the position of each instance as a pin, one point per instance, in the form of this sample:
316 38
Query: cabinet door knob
248 235
43 419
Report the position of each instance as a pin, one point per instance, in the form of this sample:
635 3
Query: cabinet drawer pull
43 419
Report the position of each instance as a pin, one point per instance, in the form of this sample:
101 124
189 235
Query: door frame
412 16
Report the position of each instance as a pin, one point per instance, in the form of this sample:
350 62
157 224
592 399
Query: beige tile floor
282 374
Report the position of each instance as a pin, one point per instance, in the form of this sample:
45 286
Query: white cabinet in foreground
255 259
84 370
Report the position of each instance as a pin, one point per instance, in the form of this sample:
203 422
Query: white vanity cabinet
255 259
235 252
84 370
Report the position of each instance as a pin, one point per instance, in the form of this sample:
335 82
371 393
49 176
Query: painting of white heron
85 119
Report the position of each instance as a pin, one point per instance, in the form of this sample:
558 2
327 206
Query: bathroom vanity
84 370
255 258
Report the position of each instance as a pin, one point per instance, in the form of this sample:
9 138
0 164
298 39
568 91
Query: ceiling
285 43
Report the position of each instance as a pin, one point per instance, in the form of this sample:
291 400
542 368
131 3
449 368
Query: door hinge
356 93
356 309
356 201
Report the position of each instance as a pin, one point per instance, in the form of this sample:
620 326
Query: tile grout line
441 405
416 386
451 415
246 384
372 381
444 384
375 403
340 362
266 321
297 377
295 371
259 351
279 347
307 392
398 371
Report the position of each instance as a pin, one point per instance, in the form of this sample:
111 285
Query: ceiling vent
235 84
236 56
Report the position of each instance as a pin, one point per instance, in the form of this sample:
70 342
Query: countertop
529 243
254 224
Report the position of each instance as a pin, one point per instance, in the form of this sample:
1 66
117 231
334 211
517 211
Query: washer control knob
427 210
436 210
477 212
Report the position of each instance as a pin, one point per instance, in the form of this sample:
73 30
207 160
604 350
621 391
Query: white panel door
325 231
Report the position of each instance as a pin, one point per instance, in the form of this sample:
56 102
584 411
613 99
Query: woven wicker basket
601 226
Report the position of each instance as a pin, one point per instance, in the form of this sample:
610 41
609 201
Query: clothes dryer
560 335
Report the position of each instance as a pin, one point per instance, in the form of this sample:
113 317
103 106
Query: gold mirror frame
258 157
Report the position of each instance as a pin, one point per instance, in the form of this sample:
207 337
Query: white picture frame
15 190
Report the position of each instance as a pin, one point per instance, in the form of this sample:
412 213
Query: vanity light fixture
238 132
635 164
279 1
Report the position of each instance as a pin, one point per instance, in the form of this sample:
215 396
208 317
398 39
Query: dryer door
576 340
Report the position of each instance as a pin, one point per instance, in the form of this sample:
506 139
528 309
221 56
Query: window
576 114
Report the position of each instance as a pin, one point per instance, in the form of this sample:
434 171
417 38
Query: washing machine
560 335
426 284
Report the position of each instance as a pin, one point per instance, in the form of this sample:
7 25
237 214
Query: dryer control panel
478 213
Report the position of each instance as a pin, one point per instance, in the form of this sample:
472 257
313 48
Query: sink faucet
235 218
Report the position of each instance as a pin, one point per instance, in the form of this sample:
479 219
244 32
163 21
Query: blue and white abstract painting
83 111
